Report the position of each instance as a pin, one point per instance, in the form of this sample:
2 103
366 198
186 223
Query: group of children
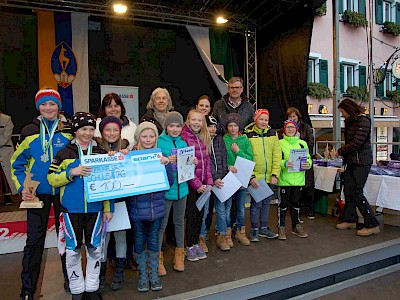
215 155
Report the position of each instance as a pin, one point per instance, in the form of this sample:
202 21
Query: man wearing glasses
235 101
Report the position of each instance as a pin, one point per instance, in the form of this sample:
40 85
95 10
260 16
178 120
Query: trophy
31 186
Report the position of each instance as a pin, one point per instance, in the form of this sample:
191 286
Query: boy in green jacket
237 145
290 182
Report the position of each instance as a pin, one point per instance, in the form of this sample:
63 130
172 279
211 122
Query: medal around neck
31 186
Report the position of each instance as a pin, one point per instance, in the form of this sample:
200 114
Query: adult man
235 101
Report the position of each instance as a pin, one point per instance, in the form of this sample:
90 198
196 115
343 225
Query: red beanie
259 112
287 122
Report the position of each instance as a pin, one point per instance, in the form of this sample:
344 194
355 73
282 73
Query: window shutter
342 78
397 13
341 6
379 89
379 11
362 75
323 71
361 7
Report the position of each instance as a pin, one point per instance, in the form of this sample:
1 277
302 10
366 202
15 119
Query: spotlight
120 8
221 20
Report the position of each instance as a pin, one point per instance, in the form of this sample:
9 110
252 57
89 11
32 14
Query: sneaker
299 231
254 235
201 254
191 254
310 215
202 243
268 233
282 233
368 231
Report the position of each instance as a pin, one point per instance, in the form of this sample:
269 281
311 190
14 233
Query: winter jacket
127 132
202 171
244 148
72 191
357 148
166 142
27 157
218 157
266 151
150 206
292 178
149 117
245 109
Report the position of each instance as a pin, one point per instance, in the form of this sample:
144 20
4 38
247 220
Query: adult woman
38 145
203 105
159 105
357 158
7 187
305 133
112 106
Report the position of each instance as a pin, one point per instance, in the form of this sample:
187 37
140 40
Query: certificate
262 192
185 166
231 185
244 170
117 176
297 156
203 198
120 220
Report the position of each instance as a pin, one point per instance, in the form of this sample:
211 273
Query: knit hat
232 118
259 112
173 117
47 95
143 126
82 119
211 121
287 122
107 120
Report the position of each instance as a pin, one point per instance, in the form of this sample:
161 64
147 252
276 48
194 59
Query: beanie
173 117
143 126
259 112
287 122
232 118
211 121
47 95
108 120
82 119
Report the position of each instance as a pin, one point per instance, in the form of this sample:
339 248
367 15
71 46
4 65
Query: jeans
240 198
146 233
223 211
259 212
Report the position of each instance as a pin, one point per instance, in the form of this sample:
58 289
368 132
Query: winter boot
221 243
102 277
119 274
282 233
203 245
161 269
153 267
143 282
241 236
229 237
179 260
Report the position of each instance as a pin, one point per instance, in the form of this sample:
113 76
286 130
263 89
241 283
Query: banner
63 57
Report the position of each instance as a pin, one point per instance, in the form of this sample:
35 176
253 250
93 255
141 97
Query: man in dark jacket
235 101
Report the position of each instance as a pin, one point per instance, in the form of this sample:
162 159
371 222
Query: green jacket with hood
244 148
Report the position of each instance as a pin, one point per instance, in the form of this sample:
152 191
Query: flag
63 57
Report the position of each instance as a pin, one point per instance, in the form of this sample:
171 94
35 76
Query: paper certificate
117 176
297 156
120 220
231 185
262 192
244 170
203 198
186 166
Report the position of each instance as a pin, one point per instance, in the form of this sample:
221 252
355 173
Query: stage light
221 20
120 8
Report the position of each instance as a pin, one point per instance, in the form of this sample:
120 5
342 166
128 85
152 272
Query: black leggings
194 218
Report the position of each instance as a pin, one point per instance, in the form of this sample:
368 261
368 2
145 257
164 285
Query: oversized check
117 176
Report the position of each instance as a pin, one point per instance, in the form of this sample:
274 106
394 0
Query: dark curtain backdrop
283 48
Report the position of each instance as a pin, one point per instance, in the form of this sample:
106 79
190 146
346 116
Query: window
387 11
311 70
317 69
350 5
351 74
353 5
348 76
389 84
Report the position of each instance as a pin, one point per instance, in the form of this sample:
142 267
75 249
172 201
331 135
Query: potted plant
391 27
320 11
354 18
359 93
394 96
318 90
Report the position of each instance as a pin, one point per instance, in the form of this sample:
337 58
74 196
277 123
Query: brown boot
203 245
241 236
228 237
345 225
179 259
368 231
282 233
221 243
161 269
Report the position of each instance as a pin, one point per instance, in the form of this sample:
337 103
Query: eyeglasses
290 127
235 87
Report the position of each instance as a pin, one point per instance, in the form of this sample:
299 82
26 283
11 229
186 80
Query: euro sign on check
117 176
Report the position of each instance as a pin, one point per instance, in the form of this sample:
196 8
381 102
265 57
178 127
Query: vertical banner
381 149
129 96
63 57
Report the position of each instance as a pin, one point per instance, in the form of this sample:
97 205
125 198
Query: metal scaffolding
251 67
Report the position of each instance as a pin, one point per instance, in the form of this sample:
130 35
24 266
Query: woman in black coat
357 158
